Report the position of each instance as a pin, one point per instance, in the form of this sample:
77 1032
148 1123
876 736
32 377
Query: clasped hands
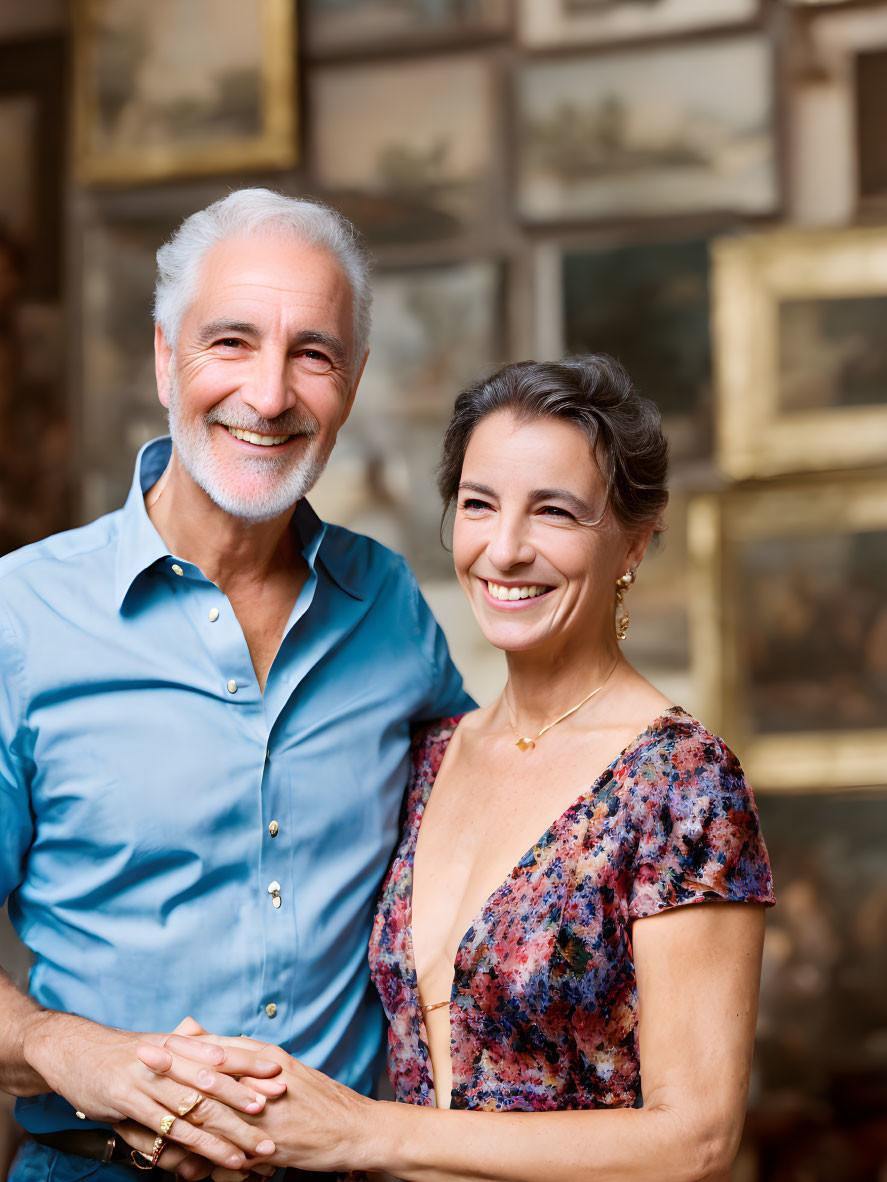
257 1109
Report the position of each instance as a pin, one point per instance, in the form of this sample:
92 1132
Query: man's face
263 375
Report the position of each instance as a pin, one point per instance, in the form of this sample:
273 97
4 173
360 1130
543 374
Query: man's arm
17 1011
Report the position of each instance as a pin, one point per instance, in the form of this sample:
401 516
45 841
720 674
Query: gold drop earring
622 585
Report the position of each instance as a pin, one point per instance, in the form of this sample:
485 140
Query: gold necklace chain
527 744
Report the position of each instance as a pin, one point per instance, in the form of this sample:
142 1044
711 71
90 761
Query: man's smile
254 437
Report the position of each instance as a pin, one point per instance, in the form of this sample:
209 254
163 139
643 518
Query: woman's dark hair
593 392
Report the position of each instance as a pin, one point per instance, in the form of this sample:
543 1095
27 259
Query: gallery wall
697 188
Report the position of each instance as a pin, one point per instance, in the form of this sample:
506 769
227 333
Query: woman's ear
638 548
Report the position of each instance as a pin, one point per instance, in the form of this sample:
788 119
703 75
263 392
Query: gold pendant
525 744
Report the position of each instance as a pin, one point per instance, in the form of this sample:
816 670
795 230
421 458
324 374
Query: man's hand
97 1071
316 1124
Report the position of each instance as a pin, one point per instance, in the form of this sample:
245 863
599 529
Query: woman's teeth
529 592
261 440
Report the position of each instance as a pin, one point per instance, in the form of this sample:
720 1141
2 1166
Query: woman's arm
698 969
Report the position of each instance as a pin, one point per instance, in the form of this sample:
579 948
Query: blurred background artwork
698 188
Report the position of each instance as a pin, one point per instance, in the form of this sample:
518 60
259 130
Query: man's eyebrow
225 328
326 340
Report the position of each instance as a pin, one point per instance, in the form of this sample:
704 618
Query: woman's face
536 574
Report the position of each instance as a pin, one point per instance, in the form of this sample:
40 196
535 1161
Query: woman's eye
473 505
556 511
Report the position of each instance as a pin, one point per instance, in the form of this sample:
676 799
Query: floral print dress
544 1003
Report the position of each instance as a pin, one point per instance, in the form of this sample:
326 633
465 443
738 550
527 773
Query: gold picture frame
800 354
789 624
148 110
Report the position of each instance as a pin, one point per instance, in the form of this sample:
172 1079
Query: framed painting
801 356
119 406
672 129
648 305
790 628
435 330
816 1108
334 27
157 97
834 110
547 23
404 149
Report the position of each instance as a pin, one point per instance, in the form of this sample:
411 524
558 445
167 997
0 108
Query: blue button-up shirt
143 773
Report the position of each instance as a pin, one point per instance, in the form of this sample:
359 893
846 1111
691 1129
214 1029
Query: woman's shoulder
679 740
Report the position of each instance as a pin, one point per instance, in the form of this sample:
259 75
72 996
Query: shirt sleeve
699 836
16 821
445 695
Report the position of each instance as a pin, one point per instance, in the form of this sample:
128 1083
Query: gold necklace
527 744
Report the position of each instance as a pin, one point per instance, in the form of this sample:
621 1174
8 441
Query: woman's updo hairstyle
595 393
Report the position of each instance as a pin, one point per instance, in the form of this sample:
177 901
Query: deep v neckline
522 864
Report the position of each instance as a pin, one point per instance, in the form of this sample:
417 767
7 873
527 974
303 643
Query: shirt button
274 892
273 828
232 686
271 1009
213 614
176 569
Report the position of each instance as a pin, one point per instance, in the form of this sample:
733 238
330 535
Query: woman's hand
315 1124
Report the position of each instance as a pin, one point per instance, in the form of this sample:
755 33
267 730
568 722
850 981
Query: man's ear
355 384
162 358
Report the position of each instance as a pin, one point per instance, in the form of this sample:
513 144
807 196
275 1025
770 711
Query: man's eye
230 342
314 361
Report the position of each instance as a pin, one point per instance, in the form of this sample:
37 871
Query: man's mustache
291 422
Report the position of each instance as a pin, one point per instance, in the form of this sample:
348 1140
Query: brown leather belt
98 1144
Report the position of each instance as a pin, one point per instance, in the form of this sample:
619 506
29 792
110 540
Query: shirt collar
139 544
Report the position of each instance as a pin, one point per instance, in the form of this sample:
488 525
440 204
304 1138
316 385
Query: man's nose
270 390
510 544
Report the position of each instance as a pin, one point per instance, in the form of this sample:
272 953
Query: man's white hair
255 211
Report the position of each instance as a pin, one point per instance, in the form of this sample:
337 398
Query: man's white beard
268 486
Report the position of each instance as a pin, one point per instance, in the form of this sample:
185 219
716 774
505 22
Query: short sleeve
446 696
16 822
699 839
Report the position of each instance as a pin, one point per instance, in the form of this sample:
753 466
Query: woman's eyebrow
580 507
478 488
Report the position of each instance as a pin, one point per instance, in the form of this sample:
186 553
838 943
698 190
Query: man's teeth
262 440
529 592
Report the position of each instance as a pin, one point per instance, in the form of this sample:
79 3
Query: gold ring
166 1124
159 1143
185 1107
135 1155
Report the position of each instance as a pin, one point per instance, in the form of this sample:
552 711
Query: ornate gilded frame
718 525
275 147
750 277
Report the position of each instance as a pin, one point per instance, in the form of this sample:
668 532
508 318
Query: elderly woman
546 967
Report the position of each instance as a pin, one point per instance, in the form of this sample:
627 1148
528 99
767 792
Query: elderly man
205 712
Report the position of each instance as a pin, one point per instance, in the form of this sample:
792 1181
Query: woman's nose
510 544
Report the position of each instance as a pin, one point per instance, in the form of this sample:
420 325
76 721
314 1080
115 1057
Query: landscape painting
404 148
158 96
668 130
